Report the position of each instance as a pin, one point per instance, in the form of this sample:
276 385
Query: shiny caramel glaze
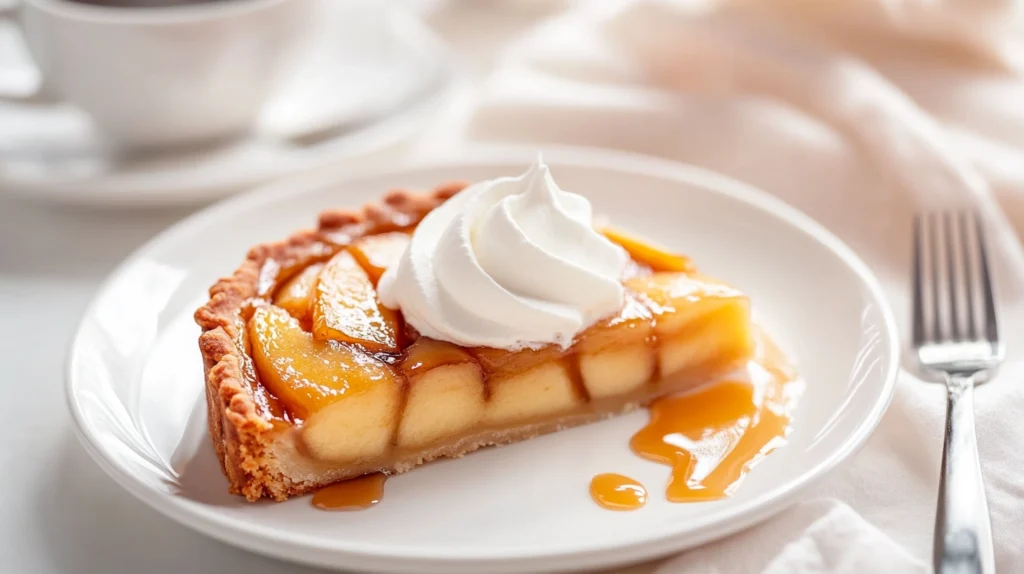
713 436
296 295
377 243
265 400
639 324
617 492
633 324
427 354
346 309
304 372
355 494
337 230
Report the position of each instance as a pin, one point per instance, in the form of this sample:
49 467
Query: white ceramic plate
135 380
368 78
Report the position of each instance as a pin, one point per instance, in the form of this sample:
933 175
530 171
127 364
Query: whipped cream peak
509 263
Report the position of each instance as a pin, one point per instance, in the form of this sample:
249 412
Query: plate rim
299 548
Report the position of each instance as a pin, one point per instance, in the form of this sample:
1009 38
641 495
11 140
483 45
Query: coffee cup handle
33 95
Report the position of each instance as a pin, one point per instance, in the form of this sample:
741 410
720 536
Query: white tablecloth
859 114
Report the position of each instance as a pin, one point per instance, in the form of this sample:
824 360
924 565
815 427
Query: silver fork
956 340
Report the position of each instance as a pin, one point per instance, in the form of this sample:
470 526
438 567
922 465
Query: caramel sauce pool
356 494
713 436
617 492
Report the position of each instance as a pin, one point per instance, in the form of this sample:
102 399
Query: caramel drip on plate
617 492
713 436
355 494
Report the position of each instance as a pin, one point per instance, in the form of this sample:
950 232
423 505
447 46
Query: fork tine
953 246
969 295
918 296
991 327
934 287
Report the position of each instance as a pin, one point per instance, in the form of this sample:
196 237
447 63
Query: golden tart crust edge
242 436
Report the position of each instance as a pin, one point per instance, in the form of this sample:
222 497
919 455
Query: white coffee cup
160 76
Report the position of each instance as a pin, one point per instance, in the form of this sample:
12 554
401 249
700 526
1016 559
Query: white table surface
59 512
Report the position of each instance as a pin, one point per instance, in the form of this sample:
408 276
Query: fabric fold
858 113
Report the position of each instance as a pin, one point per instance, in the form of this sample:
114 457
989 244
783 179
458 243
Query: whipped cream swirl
508 263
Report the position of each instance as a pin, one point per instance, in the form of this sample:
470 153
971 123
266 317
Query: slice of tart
312 379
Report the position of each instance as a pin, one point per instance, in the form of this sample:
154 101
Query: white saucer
135 383
369 77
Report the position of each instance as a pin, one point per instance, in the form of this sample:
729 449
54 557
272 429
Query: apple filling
365 391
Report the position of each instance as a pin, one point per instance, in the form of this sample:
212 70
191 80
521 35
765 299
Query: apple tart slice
311 379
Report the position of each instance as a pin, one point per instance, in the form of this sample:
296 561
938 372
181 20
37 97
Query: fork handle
963 532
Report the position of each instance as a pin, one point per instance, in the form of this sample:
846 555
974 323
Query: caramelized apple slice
378 252
644 251
715 343
615 355
296 296
349 400
677 299
545 389
446 393
347 309
632 324
617 371
274 273
698 321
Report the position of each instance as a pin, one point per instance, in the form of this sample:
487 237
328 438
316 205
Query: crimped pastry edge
242 435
